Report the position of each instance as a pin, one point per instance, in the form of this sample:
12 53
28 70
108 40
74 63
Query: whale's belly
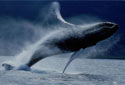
70 43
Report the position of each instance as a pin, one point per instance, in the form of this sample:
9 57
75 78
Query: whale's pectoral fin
53 15
73 56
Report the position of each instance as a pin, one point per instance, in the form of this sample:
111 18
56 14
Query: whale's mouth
112 27
109 25
115 27
108 28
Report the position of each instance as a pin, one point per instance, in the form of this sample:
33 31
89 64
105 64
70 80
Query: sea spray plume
65 40
16 33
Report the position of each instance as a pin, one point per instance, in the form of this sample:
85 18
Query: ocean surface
80 71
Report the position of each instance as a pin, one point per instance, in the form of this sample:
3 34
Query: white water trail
26 54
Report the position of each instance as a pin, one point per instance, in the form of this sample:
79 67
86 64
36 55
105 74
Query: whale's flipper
53 16
73 56
59 16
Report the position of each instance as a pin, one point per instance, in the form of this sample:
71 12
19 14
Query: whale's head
98 32
102 30
106 29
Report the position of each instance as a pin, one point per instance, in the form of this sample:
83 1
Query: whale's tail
7 66
10 66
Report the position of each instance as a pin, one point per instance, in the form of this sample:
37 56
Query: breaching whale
74 39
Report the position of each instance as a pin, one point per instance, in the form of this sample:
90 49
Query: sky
113 11
106 10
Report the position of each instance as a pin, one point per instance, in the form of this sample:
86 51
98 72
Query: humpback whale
74 38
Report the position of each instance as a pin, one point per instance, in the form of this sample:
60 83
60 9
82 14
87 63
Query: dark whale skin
75 39
72 40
